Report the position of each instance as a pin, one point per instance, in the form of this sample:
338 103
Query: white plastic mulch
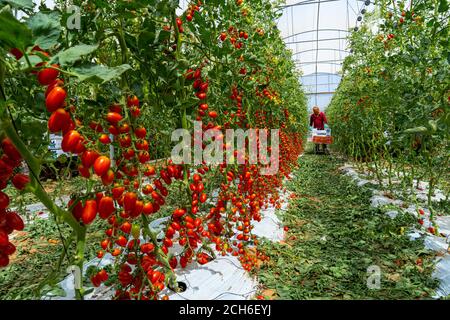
431 242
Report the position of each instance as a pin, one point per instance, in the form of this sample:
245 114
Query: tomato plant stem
79 260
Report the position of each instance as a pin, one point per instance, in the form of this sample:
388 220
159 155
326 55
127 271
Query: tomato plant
114 91
392 108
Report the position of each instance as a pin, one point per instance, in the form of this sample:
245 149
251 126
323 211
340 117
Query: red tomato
149 171
143 157
117 192
89 212
70 141
148 208
4 200
178 213
204 87
102 165
58 121
104 138
88 158
168 242
14 221
147 247
113 117
201 95
4 240
106 207
133 101
55 99
96 126
4 260
77 210
9 249
213 114
140 132
122 241
125 141
103 275
197 83
85 173
56 83
137 209
135 111
108 178
142 145
70 126
96 281
173 262
20 181
80 147
10 150
124 128
48 75
197 178
126 227
16 53
129 201
115 108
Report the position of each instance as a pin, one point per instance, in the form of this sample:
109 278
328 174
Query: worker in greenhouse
318 121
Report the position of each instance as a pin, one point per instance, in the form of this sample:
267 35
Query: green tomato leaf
99 73
20 4
443 6
416 130
72 55
46 29
53 291
13 34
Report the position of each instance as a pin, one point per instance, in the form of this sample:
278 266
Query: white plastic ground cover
39 207
221 279
431 242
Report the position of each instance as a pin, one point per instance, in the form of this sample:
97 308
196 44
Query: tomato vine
115 89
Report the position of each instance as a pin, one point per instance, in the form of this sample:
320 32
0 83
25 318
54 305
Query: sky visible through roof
316 32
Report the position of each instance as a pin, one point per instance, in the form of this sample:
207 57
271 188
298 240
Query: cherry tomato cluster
192 9
9 220
235 36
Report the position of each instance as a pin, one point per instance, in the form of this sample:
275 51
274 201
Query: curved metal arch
321 74
306 2
321 49
314 40
316 30
320 62
301 3
330 63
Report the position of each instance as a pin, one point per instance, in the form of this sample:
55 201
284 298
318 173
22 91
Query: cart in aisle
321 137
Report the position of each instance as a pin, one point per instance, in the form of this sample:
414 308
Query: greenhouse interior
245 150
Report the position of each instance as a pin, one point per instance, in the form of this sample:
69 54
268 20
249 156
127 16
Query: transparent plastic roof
316 31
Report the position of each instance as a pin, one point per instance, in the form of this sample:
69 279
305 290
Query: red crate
322 139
